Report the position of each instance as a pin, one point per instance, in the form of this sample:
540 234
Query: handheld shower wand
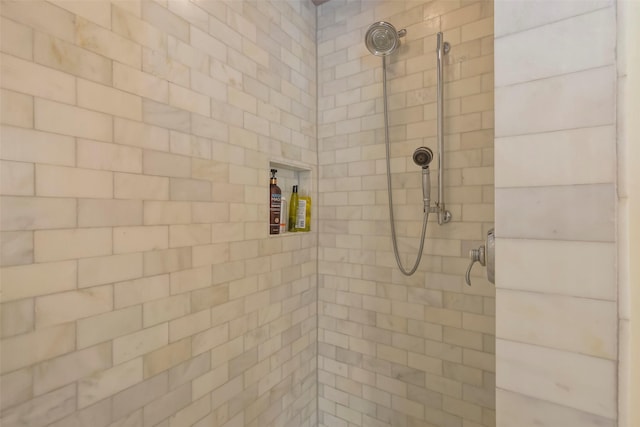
422 157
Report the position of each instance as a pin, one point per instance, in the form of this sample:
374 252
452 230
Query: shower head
423 156
382 39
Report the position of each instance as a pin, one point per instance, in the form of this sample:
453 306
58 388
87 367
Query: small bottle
303 214
275 196
283 215
293 208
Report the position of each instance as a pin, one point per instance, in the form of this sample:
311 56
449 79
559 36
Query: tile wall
557 293
398 351
139 284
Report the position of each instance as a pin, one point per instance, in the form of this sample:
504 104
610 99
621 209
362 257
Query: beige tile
67 57
73 121
190 189
98 415
71 367
132 186
109 269
515 17
586 94
165 164
158 262
16 248
26 145
56 181
168 405
189 100
109 213
27 77
582 42
131 400
159 16
69 306
24 350
16 109
95 11
109 382
189 325
166 357
580 212
581 382
141 290
140 239
165 309
43 278
140 343
132 27
41 16
17 317
107 100
16 387
107 326
104 42
156 213
44 409
581 325
581 156
189 280
33 213
140 83
166 116
17 179
189 235
138 134
17 39
58 245
528 411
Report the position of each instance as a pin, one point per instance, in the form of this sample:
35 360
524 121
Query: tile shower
140 286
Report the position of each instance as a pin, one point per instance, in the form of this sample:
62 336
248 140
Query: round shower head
382 39
423 156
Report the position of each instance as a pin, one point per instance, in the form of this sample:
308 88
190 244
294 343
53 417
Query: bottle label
274 213
301 214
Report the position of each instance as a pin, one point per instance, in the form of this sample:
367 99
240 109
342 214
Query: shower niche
290 174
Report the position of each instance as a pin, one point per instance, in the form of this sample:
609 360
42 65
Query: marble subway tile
565 272
580 156
107 326
69 306
16 387
106 99
109 382
33 79
569 379
71 367
109 269
73 121
69 58
17 179
36 213
42 410
579 43
27 145
37 346
514 17
17 317
581 99
66 244
527 411
581 325
584 213
16 109
109 212
104 42
17 39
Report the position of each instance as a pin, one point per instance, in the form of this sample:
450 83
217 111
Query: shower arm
444 216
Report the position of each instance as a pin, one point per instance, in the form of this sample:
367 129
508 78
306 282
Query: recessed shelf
290 174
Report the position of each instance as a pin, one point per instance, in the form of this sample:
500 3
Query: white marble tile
581 382
515 409
517 15
582 42
581 269
582 212
575 156
581 325
570 101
